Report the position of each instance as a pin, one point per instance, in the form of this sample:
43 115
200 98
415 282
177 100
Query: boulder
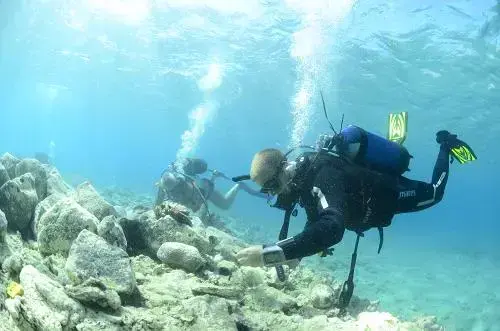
112 232
61 224
91 256
44 305
55 182
36 168
18 200
146 234
42 208
4 175
9 161
3 226
94 293
88 198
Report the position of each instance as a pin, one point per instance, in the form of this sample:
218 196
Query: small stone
226 268
223 292
179 255
322 296
93 291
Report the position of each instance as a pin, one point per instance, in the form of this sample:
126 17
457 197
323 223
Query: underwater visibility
249 165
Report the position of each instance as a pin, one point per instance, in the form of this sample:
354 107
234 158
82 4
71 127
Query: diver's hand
250 256
216 173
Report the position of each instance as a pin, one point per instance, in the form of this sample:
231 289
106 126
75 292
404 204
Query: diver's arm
416 195
253 192
224 201
329 229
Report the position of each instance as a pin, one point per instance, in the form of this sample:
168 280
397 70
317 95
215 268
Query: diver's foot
444 137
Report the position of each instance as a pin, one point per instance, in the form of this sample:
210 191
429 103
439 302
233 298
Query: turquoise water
114 91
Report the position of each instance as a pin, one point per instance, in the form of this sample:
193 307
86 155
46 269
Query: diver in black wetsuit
188 188
338 194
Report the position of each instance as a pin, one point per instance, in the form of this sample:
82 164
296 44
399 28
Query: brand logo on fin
407 194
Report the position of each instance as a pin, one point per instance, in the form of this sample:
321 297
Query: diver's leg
416 195
224 201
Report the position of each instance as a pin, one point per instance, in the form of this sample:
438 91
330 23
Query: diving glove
458 149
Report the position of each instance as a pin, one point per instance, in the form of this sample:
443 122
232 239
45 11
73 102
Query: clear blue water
110 88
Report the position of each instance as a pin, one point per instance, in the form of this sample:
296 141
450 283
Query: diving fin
398 127
462 152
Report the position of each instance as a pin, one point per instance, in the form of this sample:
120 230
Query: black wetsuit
190 192
337 196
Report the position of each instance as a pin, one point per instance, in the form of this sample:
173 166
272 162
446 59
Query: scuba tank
194 166
369 150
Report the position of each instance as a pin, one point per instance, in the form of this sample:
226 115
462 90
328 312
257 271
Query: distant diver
185 186
351 180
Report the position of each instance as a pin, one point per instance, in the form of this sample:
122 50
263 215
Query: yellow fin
398 127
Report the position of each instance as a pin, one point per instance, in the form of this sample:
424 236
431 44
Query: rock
94 293
376 321
179 255
61 224
249 277
3 226
269 299
112 232
4 175
209 313
322 296
427 323
169 289
13 306
146 234
120 211
44 305
226 268
12 245
9 162
91 256
18 200
218 291
13 265
177 211
226 245
42 208
55 182
36 168
88 198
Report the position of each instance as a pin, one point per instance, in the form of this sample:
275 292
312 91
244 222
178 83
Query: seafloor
78 258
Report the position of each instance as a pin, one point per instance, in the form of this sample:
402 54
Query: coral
177 211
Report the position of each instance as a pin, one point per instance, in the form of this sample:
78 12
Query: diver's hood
247 177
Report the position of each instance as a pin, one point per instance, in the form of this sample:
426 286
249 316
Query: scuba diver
187 188
351 180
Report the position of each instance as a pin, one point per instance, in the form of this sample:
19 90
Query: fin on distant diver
398 127
462 152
